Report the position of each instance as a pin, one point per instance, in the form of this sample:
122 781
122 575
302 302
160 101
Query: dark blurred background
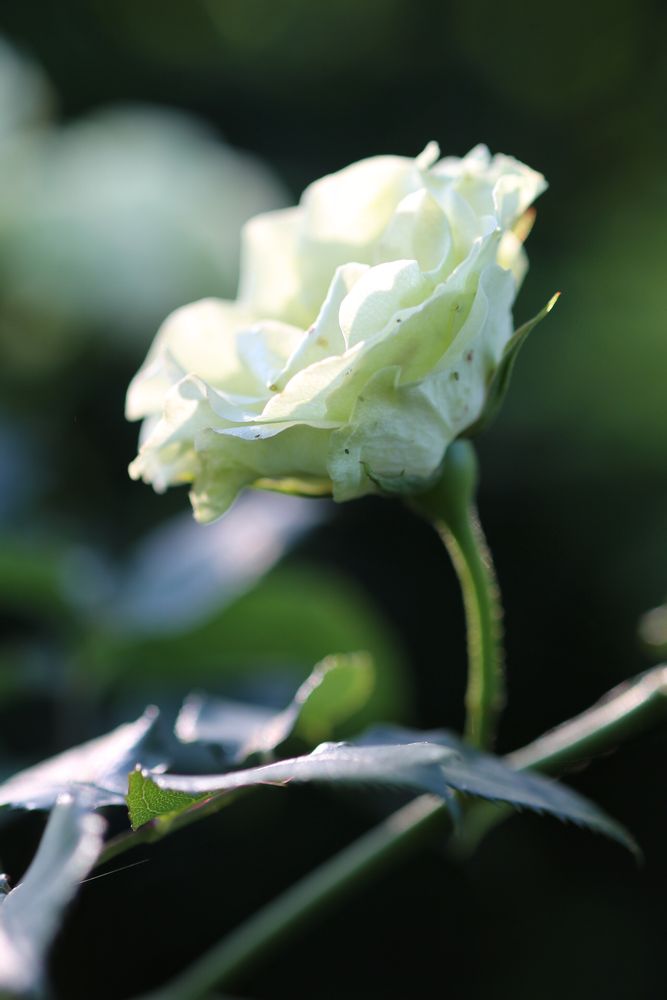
135 139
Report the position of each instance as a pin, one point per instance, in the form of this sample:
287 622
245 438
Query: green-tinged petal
400 430
390 445
226 463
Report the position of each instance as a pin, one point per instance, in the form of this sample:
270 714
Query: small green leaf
503 373
147 802
100 767
30 915
337 688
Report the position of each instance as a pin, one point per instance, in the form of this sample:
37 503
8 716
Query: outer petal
399 431
204 440
167 456
200 338
396 436
228 463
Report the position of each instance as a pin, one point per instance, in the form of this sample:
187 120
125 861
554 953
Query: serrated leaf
98 767
499 384
147 802
392 757
486 776
337 688
30 915
416 767
441 766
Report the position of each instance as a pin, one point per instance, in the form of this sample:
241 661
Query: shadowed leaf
441 766
337 688
31 914
100 767
488 777
416 767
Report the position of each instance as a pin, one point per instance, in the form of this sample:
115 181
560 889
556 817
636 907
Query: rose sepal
501 378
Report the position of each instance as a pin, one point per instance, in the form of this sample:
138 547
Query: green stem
449 504
481 600
627 710
622 713
265 931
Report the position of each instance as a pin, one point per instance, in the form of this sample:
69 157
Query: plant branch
346 872
626 710
621 714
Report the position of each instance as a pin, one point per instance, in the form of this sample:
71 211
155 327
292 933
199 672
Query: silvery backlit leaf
31 914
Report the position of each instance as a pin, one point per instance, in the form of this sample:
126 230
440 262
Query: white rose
369 323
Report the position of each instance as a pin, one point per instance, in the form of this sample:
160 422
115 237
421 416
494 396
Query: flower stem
450 506
621 714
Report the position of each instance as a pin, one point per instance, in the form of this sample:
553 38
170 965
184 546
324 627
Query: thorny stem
450 506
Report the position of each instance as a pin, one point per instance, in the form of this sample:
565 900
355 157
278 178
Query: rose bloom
369 322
